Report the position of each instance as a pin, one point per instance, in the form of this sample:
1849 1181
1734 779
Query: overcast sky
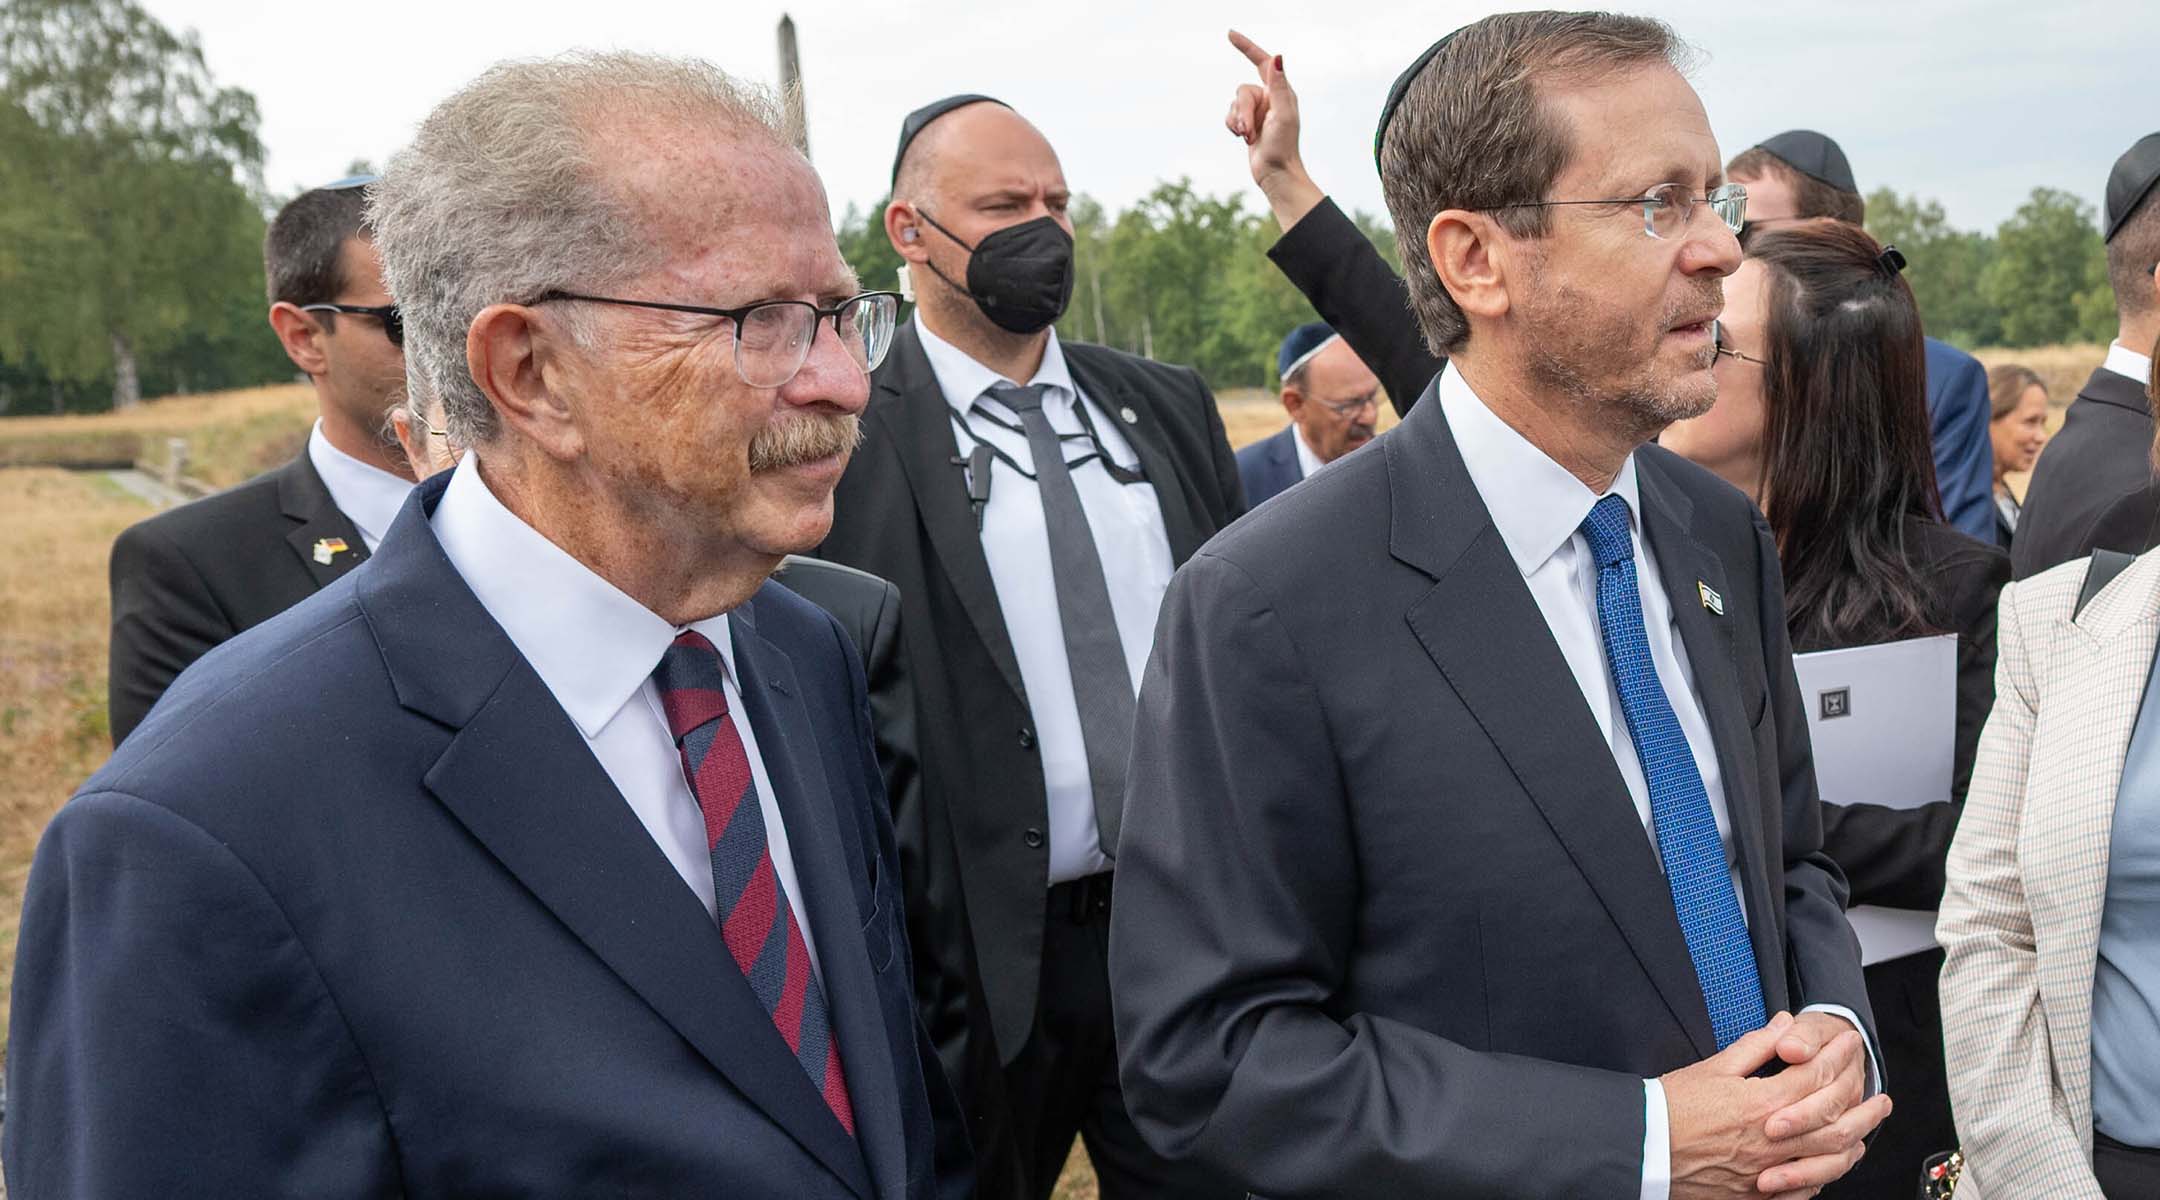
1971 103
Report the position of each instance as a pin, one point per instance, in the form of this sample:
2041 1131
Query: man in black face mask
1030 498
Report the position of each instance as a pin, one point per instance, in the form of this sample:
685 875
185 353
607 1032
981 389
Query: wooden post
175 462
791 86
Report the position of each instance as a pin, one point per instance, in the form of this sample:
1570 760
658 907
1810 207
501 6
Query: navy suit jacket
1957 401
1269 467
356 912
1396 929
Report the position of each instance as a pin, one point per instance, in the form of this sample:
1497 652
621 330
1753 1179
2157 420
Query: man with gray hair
1533 903
548 855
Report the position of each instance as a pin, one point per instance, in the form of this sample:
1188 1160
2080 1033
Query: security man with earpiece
1030 498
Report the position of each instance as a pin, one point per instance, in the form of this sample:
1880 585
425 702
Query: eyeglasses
1667 208
1717 341
1350 408
393 324
773 337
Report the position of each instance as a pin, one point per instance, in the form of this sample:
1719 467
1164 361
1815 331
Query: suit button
1027 738
1033 838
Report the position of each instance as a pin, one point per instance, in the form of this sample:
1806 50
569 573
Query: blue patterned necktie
1687 836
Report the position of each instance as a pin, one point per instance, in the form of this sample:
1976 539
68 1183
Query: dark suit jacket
1387 922
2101 454
1269 467
1354 290
187 579
1957 403
1895 856
901 512
357 913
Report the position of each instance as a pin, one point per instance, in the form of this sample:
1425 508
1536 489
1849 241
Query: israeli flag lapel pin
1710 599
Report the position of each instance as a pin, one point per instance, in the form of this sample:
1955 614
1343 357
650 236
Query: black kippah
1814 155
921 118
1402 85
2134 175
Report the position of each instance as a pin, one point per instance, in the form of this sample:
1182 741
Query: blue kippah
1303 343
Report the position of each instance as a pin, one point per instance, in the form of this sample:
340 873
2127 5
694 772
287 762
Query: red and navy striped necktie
755 918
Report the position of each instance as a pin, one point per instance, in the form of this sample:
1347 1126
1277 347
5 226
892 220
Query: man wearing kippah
1029 496
2094 488
1333 400
1532 903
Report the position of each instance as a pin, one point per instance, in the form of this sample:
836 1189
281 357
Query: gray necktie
1102 686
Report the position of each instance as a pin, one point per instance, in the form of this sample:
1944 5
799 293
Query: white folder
1883 720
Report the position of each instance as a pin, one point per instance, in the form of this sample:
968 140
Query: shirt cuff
1656 1143
1874 1063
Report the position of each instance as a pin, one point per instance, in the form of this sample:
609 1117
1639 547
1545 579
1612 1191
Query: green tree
137 178
2045 260
1944 267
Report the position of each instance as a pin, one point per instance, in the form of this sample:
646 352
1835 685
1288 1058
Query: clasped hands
1784 1136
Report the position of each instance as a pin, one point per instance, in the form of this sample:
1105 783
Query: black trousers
1064 1081
1905 994
2125 1172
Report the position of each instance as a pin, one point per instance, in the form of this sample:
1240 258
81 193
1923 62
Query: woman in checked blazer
2051 922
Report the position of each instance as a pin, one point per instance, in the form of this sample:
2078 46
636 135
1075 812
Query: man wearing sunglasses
1333 400
185 580
548 855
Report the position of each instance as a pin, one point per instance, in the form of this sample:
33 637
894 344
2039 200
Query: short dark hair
2131 256
1846 455
1811 196
301 250
1472 132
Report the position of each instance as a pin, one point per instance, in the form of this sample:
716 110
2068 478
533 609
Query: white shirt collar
590 643
1308 462
1535 503
2123 360
962 379
368 495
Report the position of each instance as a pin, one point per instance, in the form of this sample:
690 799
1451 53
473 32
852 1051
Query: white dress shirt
368 495
1127 523
1308 463
596 649
2123 360
1538 506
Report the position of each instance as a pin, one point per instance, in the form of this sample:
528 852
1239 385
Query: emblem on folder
329 548
1710 599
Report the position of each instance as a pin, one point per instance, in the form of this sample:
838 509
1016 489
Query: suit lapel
2103 657
915 412
1483 630
519 777
789 746
1282 450
322 526
1685 567
1113 399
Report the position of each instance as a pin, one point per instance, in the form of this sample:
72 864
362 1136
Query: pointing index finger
1252 51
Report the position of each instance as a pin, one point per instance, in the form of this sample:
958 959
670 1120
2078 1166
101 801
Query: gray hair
499 199
1473 133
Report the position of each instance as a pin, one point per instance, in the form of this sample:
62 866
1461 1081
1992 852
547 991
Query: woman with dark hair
2017 426
1821 416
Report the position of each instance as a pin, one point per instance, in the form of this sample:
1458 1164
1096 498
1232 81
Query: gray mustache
803 439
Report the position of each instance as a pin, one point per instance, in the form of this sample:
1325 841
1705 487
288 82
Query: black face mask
1020 276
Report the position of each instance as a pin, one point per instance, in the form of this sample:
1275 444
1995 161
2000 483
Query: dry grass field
60 525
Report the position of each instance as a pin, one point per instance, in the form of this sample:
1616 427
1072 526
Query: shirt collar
1309 463
1535 503
368 495
2123 360
590 643
962 379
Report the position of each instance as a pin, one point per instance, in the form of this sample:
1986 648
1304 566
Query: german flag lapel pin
327 549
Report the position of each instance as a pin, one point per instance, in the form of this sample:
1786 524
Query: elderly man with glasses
185 580
1333 400
549 854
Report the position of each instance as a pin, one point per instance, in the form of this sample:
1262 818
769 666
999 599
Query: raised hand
1265 116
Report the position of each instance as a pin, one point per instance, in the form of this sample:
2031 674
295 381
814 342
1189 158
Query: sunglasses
393 324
